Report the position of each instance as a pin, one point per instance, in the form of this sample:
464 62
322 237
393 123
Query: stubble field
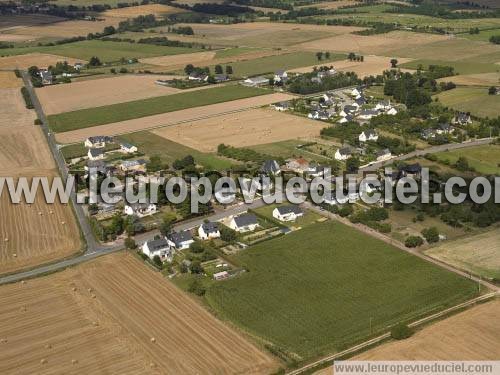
42 60
242 129
36 233
115 315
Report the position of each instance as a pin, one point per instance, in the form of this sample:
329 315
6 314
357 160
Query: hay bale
74 361
153 340
43 361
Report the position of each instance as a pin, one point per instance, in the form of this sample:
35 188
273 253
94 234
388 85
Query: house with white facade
209 230
180 240
140 209
98 141
244 223
95 154
159 247
343 153
384 155
368 135
288 213
128 148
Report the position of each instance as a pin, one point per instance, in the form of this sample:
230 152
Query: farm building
133 165
256 81
288 213
368 135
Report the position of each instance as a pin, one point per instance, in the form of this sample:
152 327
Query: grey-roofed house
383 155
180 240
209 230
133 165
47 78
244 223
98 141
288 213
270 167
95 154
368 135
343 153
367 114
159 247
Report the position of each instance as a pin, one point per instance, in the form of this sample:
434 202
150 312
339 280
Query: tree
154 164
492 90
196 287
361 58
211 79
394 63
188 69
431 234
462 164
94 61
197 247
229 69
352 165
351 56
130 243
401 331
327 55
165 227
319 55
414 241
346 210
218 69
227 234
157 261
196 267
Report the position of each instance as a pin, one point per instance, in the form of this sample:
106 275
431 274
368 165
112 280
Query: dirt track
170 118
248 128
29 234
100 92
116 316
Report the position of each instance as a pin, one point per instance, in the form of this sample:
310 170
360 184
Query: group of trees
354 57
493 90
406 90
320 55
243 154
305 84
495 39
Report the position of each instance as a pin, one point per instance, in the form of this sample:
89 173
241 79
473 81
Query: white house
367 114
384 155
383 105
140 209
368 135
47 78
180 240
244 223
95 154
98 141
287 213
282 106
393 111
221 275
133 165
208 231
280 76
158 247
345 119
343 153
128 148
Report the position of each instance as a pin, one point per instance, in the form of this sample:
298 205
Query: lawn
271 64
152 144
484 159
461 67
472 99
309 217
85 118
288 149
105 51
315 291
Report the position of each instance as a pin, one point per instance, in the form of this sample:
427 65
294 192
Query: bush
414 241
26 97
37 121
346 210
157 262
401 331
431 234
130 243
197 288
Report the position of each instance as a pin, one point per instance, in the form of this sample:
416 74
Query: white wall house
244 223
95 154
343 153
368 135
158 247
180 240
128 148
140 209
98 141
209 230
288 213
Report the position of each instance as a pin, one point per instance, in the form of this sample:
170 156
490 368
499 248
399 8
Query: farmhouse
368 135
383 155
98 141
462 118
348 110
158 247
287 213
256 81
128 148
244 223
47 78
95 154
343 153
208 231
270 167
359 102
133 165
180 240
345 119
140 209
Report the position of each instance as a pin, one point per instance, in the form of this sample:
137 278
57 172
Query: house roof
412 168
369 112
96 152
132 163
300 161
280 72
384 152
221 77
158 244
245 219
210 227
369 133
345 151
179 237
349 108
126 145
100 138
270 166
283 210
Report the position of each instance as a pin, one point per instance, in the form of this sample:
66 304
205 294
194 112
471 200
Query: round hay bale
3 341
48 346
43 361
74 361
153 340
40 213
73 289
14 255
6 239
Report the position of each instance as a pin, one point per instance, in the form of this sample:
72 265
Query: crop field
8 80
314 291
172 118
382 44
333 4
484 79
461 67
42 60
479 254
287 149
372 65
103 91
110 320
36 233
153 145
106 51
484 35
472 99
157 10
241 129
471 335
485 159
147 107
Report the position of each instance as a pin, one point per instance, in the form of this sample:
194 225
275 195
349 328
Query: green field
231 52
106 51
484 35
271 64
472 99
314 291
484 159
309 217
461 67
152 144
140 108
287 149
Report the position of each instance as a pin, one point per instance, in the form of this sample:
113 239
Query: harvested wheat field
171 118
241 129
8 80
131 12
42 60
484 79
114 315
334 4
472 335
12 22
372 44
36 233
102 91
372 65
14 38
